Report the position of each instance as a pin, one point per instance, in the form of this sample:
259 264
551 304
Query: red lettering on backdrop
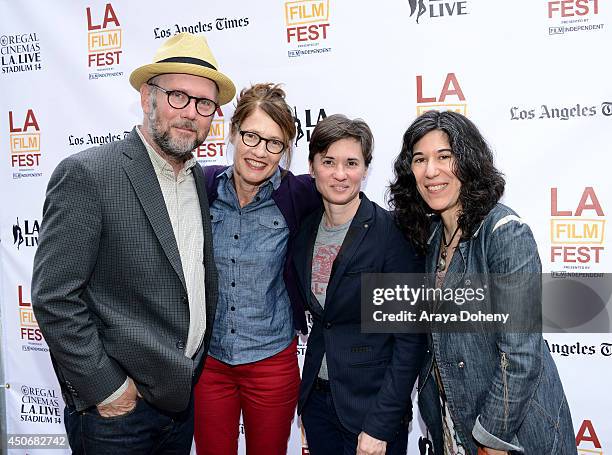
109 17
30 121
451 87
587 433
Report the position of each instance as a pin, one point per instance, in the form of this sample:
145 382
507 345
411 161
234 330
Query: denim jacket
502 389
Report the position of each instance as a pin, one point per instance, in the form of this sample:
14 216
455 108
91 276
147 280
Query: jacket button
461 364
328 325
180 344
184 299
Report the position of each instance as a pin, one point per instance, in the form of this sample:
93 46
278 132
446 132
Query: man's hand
122 405
367 445
489 451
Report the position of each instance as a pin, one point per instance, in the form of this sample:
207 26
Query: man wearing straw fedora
124 286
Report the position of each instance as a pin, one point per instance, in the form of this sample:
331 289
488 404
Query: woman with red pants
256 208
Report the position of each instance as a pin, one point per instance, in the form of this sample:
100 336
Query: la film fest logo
28 326
39 405
305 121
19 53
441 95
307 27
213 149
569 16
24 139
577 228
25 233
587 440
435 9
104 41
202 26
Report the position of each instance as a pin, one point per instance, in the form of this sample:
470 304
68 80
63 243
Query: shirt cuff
118 392
488 440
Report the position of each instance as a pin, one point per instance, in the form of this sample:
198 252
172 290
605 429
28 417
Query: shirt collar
274 180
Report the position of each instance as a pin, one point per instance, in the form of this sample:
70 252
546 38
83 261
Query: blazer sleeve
64 262
392 406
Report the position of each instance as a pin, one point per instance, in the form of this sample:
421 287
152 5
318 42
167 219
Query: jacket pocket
375 363
270 233
359 270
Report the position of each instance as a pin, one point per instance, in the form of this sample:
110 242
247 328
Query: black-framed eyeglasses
253 139
180 100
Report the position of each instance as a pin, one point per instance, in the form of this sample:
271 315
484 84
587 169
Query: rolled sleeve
488 440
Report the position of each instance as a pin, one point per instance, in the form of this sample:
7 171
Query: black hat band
191 60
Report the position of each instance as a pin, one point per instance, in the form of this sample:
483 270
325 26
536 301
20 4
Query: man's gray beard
179 149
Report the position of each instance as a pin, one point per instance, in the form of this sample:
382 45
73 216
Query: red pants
265 391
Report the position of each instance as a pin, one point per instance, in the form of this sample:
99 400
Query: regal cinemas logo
568 16
305 121
307 23
587 440
212 151
576 235
450 98
435 9
104 42
28 327
40 405
24 140
19 53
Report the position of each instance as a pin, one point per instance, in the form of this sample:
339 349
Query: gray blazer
108 289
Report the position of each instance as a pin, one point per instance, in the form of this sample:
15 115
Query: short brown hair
270 98
337 127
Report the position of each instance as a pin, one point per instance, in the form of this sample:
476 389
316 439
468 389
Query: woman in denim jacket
483 392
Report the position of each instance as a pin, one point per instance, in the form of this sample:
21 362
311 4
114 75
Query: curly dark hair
482 185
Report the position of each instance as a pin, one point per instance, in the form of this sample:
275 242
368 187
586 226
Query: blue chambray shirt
254 319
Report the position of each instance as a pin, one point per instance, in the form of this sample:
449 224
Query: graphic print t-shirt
327 245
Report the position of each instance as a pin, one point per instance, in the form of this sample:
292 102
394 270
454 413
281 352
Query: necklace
444 249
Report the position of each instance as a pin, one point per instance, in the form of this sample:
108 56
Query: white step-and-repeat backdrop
533 74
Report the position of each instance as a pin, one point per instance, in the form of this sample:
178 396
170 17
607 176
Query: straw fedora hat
185 53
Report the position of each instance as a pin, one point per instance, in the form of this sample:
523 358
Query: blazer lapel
141 174
355 235
303 259
209 261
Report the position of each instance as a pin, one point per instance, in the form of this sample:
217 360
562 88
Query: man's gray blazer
108 288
